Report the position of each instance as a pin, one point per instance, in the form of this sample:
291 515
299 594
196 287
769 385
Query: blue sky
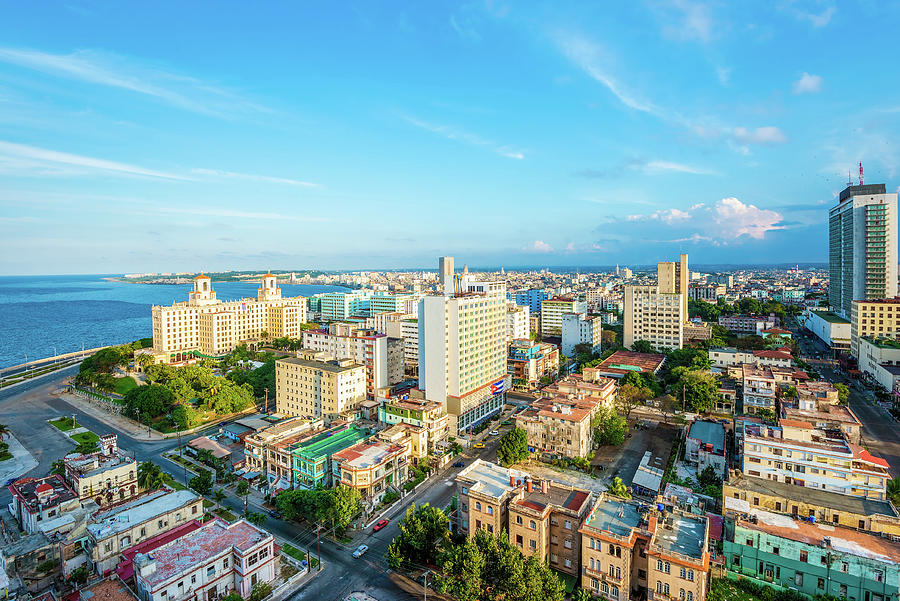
214 135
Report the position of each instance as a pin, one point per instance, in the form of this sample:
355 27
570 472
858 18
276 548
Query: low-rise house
414 438
589 385
36 500
110 589
312 457
621 363
814 559
268 450
118 528
371 467
727 356
748 324
705 446
31 562
879 357
813 396
629 550
207 563
727 400
107 476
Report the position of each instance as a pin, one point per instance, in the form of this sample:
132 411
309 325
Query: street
27 407
880 433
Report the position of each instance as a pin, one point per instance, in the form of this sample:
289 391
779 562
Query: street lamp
425 584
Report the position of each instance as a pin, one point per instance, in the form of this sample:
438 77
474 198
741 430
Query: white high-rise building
365 347
862 247
517 321
578 328
462 347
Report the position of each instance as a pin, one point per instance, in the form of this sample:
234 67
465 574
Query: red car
379 525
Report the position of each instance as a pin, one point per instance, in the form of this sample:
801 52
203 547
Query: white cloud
720 223
686 20
816 19
724 75
251 177
538 246
739 219
452 133
590 58
116 71
48 160
808 84
233 213
664 166
767 135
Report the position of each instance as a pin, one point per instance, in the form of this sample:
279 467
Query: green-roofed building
312 457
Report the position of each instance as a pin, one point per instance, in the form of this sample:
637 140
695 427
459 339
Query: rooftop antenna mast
849 178
860 174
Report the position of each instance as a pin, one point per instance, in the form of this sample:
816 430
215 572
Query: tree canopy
424 531
698 388
337 506
609 427
513 447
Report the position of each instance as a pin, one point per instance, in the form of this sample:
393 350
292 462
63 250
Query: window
845 567
843 590
519 542
879 576
518 519
194 510
667 568
193 578
533 544
776 551
604 588
532 525
614 592
568 524
659 587
749 542
659 564
490 509
681 594
568 563
225 561
568 543
690 596
683 573
477 505
595 584
798 579
804 556
820 583
690 575
210 572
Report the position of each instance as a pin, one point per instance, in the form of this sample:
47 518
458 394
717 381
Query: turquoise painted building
312 458
814 559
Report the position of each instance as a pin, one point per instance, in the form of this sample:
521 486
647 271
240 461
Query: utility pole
683 396
183 466
426 584
266 390
318 547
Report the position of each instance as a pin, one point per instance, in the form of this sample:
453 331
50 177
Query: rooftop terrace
490 479
682 534
125 516
367 454
329 442
614 515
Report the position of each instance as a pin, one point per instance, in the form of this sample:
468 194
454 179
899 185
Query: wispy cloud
217 173
817 13
808 84
768 135
651 167
42 158
538 246
233 213
115 71
451 133
686 20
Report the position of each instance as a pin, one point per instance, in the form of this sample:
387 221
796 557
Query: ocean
42 316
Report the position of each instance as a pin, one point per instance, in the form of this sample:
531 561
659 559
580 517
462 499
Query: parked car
494 432
478 445
360 551
458 464
275 514
379 525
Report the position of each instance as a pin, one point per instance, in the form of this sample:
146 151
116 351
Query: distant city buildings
578 328
552 311
657 313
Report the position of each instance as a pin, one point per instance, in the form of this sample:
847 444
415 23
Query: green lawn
172 483
225 515
125 384
207 503
293 552
85 437
63 424
5 455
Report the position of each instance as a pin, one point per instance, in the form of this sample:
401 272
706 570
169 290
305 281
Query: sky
180 136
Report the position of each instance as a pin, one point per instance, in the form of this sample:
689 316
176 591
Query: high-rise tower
862 246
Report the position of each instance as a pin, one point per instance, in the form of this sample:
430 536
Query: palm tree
893 490
218 497
144 360
4 431
255 517
58 467
618 488
150 476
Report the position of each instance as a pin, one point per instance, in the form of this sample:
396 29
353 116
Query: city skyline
507 135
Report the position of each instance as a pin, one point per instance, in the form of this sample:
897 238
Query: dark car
458 464
379 525
10 481
275 514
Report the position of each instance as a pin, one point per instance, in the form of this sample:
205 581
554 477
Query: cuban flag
498 386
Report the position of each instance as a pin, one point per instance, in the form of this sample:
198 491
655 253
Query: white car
360 550
494 432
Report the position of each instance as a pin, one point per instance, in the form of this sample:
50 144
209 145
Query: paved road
881 433
27 407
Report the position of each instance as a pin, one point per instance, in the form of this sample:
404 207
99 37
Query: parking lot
623 461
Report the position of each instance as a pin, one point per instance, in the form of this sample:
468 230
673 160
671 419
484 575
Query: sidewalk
130 427
22 461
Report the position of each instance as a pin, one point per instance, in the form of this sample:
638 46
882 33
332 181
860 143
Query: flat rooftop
490 479
137 511
47 492
97 463
367 454
571 499
614 515
842 540
709 433
683 534
329 442
111 589
199 546
830 317
622 362
332 366
813 496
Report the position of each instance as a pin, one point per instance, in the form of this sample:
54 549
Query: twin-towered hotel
204 325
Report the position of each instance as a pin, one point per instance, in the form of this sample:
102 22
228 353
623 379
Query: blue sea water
43 316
